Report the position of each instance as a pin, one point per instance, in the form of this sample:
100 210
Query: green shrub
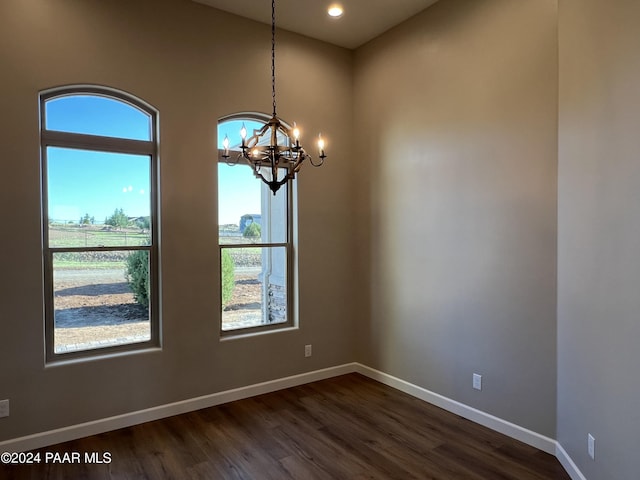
252 230
228 277
137 274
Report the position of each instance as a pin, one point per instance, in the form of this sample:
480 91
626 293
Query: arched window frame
289 243
99 143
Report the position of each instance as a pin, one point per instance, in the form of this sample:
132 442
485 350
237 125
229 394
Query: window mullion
128 248
254 245
52 138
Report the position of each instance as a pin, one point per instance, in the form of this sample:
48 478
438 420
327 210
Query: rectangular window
259 295
93 306
255 251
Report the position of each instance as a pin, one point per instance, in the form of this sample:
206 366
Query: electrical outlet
4 408
591 446
307 350
477 381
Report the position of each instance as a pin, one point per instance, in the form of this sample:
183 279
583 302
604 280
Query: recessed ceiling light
335 11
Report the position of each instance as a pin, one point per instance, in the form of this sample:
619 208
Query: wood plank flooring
348 427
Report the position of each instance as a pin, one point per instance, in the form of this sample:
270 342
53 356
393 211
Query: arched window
255 240
99 175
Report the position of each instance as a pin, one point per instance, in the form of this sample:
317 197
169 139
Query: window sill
61 362
229 336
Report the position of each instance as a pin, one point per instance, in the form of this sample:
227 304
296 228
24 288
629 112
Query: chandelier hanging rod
273 54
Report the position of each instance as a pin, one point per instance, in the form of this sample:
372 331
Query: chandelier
275 164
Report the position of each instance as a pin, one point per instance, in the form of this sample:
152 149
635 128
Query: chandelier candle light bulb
321 146
296 134
243 133
225 144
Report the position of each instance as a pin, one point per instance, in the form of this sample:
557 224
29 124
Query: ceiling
362 20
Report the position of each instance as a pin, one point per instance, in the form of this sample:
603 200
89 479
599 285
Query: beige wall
430 254
194 64
456 120
599 236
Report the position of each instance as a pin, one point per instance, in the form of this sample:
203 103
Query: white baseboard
567 463
74 432
512 430
509 429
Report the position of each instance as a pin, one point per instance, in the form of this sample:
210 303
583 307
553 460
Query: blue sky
96 183
83 182
238 193
238 189
97 116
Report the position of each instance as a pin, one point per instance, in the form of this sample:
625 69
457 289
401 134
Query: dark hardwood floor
348 427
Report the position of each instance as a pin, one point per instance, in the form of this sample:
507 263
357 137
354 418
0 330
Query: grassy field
87 236
81 264
77 236
67 236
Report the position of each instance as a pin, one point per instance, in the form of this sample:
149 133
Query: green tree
252 230
228 277
86 220
137 275
118 219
